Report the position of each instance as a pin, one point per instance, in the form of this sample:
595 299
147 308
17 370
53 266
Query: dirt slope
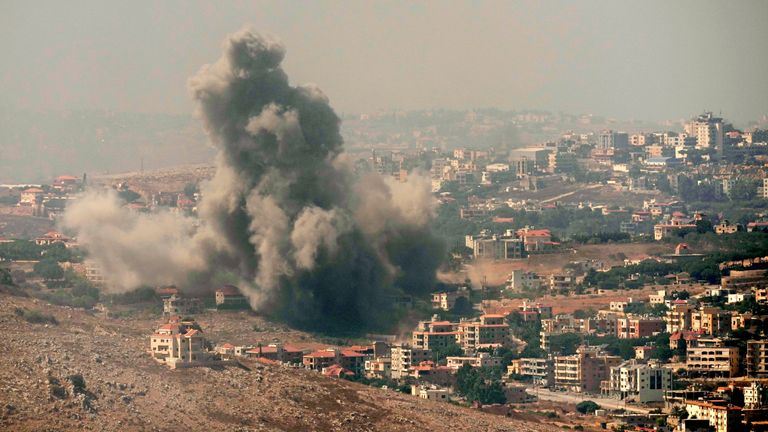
125 390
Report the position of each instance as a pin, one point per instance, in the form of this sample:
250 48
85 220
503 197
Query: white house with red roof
52 237
179 344
31 197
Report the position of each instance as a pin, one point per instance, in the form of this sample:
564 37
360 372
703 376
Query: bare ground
127 390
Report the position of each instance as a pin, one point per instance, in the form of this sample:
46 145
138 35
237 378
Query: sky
649 60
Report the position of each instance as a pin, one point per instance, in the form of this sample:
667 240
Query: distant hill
36 146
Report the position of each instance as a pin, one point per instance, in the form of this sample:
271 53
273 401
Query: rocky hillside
65 369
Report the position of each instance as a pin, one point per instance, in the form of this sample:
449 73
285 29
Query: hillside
126 390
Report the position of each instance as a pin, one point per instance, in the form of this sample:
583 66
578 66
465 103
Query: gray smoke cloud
310 244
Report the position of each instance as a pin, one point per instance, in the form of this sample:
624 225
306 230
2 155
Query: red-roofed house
52 237
31 197
179 344
336 371
348 359
276 352
535 240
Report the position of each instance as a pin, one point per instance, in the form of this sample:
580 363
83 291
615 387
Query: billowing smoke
309 243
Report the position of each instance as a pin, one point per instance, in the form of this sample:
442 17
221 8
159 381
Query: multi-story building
559 282
520 279
482 359
491 330
722 417
712 357
583 371
708 131
540 369
640 382
404 356
679 317
177 305
757 358
179 344
636 327
447 299
711 320
487 246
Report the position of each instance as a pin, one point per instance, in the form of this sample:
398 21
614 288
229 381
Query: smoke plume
309 243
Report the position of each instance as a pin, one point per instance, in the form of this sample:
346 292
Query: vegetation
35 317
474 384
587 407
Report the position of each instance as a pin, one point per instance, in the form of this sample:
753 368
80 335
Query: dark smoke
312 245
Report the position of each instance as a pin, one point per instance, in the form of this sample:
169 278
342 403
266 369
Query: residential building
183 306
230 297
562 282
404 356
490 331
637 327
712 357
521 280
584 371
347 359
679 317
640 382
711 321
447 299
722 417
430 392
540 369
708 131
431 340
482 359
757 358
276 352
179 344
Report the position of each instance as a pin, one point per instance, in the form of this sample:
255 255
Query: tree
49 269
472 384
587 407
462 307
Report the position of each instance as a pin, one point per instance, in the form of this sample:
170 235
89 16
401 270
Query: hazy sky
632 60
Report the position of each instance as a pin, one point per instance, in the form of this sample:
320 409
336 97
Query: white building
640 382
430 393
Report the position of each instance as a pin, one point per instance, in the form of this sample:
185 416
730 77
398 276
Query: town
623 273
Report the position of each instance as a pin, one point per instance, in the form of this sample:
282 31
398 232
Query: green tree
49 269
587 407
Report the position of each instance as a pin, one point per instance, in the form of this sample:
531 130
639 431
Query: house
447 299
180 343
31 197
350 360
229 297
430 392
276 352
757 226
52 237
536 240
726 227
482 359
428 372
336 371
183 306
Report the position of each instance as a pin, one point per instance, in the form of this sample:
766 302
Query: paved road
575 398
561 196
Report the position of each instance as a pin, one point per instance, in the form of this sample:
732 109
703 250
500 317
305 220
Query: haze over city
651 60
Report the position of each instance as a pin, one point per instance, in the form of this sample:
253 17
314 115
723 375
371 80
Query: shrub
35 317
587 407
